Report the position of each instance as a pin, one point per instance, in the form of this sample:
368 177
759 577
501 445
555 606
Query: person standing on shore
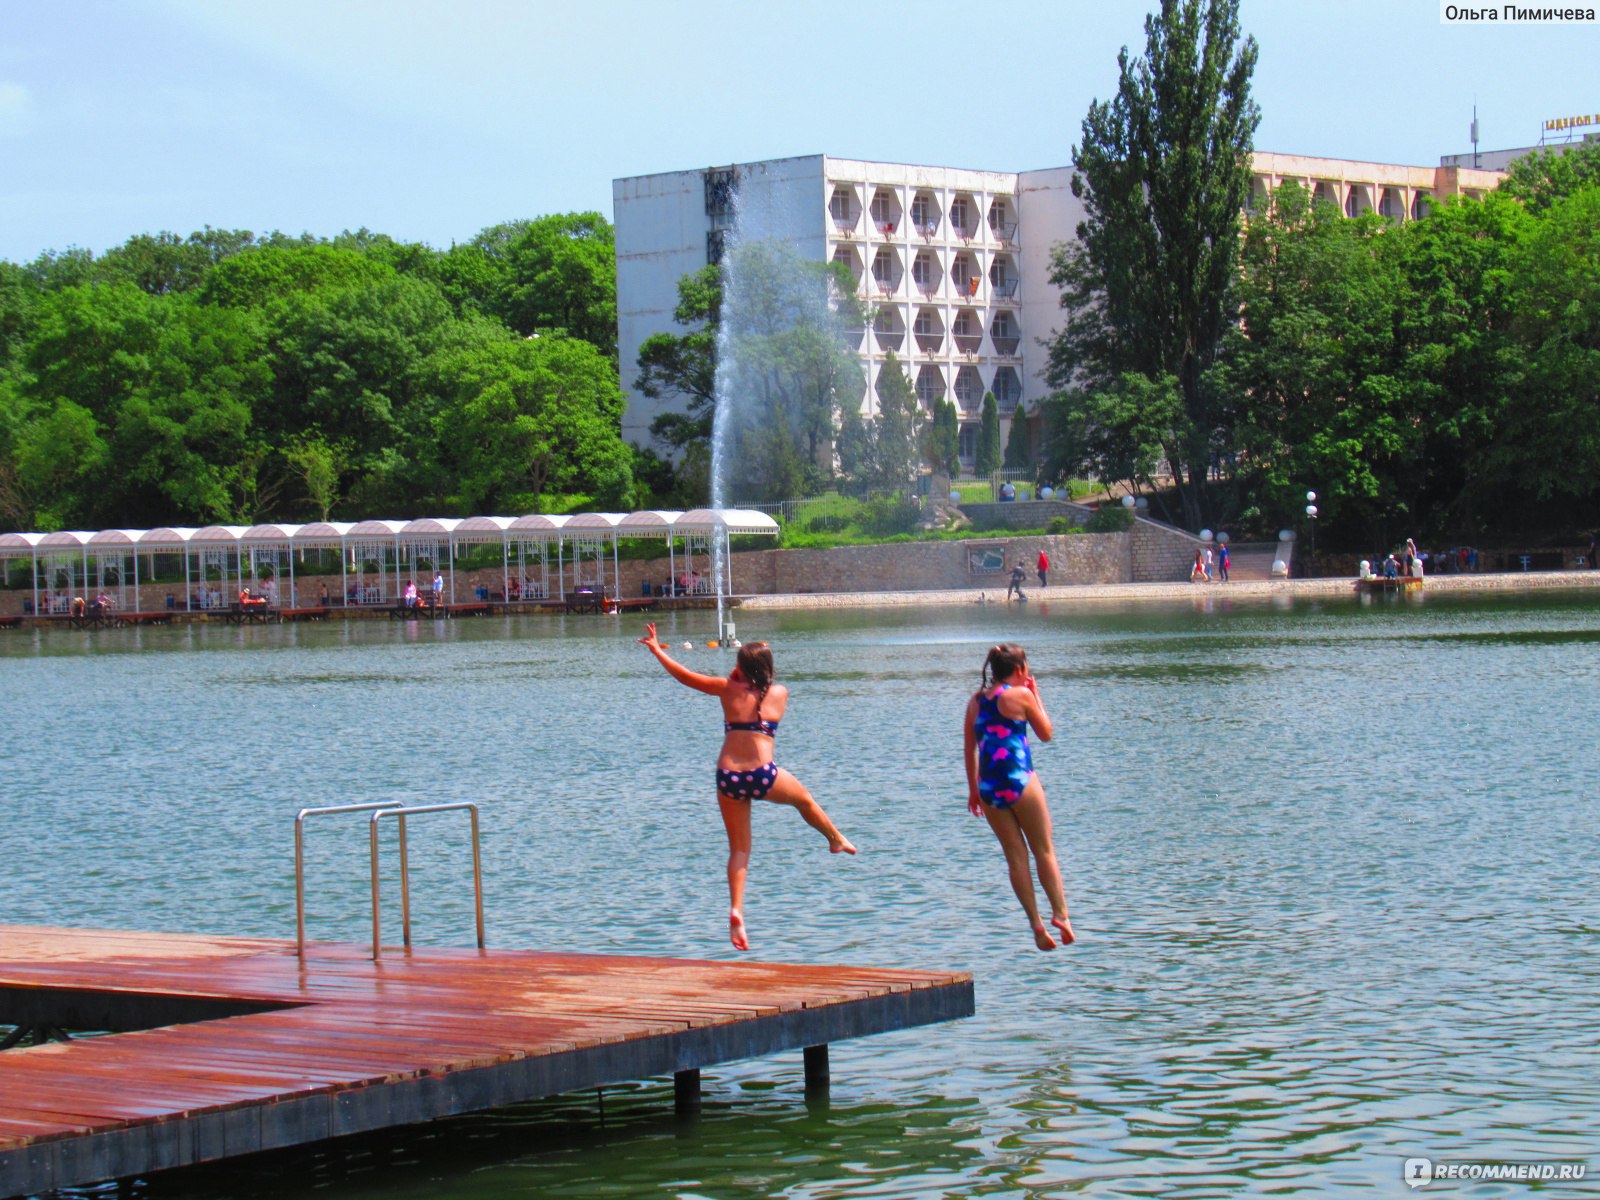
1044 569
752 706
1004 789
1222 562
1018 574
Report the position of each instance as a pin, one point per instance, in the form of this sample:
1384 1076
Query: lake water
1332 867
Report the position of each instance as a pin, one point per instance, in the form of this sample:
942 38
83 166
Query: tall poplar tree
987 460
1163 172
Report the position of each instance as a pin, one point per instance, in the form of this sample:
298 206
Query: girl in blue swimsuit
752 706
1003 787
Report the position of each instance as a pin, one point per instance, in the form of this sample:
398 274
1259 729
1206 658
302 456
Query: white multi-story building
953 263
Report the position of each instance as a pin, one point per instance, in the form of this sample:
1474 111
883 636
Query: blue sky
430 120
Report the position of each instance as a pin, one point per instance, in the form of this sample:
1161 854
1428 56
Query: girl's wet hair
1002 661
755 664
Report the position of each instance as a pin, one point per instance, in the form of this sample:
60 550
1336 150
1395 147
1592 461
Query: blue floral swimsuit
755 783
1005 763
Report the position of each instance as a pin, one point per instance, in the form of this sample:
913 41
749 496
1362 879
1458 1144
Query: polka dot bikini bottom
748 785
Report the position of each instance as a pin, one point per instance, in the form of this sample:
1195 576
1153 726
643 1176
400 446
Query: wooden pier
219 1046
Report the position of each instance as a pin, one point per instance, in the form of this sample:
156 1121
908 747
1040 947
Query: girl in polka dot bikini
752 706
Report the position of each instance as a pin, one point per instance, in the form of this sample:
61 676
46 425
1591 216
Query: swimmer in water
1003 788
752 706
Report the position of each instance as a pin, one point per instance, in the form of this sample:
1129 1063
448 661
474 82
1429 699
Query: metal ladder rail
300 860
401 813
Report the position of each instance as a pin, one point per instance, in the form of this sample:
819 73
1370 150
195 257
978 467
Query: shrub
1110 519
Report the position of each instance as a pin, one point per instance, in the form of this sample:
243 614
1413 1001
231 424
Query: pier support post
817 1071
686 1091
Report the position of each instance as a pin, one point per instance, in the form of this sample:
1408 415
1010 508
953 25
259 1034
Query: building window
925 272
930 385
969 444
969 388
1003 278
715 246
1001 222
884 270
885 211
841 206
721 187
1421 203
1007 390
961 216
1004 333
925 214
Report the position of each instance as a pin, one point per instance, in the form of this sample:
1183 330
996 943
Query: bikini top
770 728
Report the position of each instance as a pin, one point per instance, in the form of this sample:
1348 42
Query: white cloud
16 109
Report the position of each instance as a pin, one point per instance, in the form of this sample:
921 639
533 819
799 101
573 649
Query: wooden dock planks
273 1052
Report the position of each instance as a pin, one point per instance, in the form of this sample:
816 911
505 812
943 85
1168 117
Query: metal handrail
300 859
401 813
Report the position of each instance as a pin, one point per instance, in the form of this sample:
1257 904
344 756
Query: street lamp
1311 513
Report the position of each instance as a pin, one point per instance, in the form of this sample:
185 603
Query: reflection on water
1331 866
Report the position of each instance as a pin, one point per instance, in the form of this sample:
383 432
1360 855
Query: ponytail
1002 660
756 665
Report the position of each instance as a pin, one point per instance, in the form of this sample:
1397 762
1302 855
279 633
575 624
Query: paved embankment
1122 593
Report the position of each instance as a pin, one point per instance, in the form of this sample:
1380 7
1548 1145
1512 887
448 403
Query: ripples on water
1332 868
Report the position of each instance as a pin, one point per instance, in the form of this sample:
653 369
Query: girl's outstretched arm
712 685
969 756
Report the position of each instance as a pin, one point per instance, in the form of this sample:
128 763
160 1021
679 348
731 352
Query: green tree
557 273
988 457
320 464
164 263
524 417
274 272
1549 437
942 438
673 366
1114 434
1163 171
897 428
1322 397
1544 177
1460 360
1019 445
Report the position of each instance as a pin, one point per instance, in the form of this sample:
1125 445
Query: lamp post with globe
1311 515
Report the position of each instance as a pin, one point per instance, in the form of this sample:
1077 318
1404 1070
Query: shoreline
1118 593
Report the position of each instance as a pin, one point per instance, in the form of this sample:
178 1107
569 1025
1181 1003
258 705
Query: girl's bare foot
736 931
841 845
1042 938
1065 926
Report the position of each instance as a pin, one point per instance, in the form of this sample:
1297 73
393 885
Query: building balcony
930 343
1004 291
1006 346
